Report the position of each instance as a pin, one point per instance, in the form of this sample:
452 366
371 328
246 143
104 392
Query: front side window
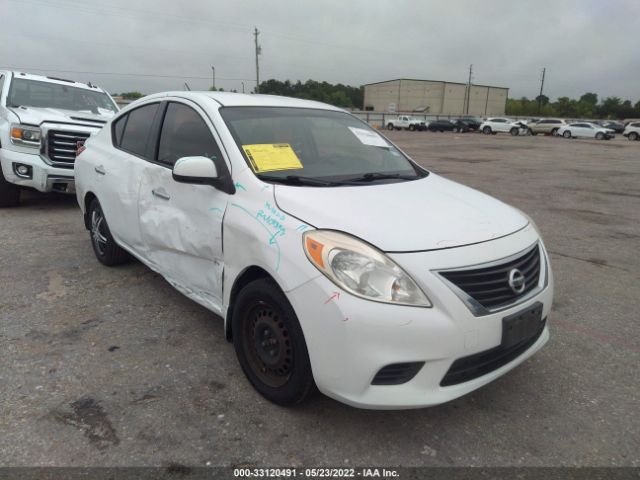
137 129
33 93
318 144
185 134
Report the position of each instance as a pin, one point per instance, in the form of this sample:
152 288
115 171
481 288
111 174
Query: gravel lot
103 366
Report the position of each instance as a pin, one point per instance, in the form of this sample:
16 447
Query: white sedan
586 130
335 260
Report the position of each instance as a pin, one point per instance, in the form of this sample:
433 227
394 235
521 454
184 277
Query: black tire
633 136
412 128
514 132
554 131
566 134
486 130
531 132
455 130
599 136
390 126
9 193
107 251
280 370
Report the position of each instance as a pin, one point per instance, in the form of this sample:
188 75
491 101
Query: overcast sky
586 45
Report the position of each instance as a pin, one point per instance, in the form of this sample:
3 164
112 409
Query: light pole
242 87
213 76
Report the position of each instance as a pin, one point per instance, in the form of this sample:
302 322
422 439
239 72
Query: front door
181 224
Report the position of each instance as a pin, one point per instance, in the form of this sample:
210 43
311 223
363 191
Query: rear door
181 224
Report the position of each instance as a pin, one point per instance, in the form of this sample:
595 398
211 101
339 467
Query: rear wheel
599 136
270 344
566 134
390 126
412 128
107 251
486 130
9 193
633 136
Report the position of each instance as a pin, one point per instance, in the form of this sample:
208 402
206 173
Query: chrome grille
489 286
62 146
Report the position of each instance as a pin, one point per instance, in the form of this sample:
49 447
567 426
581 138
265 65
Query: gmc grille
489 286
62 146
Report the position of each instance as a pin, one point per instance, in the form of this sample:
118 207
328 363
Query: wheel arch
88 198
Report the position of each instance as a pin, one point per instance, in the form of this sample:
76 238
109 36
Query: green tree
132 95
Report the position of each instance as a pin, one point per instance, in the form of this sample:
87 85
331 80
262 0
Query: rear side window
185 134
137 129
118 129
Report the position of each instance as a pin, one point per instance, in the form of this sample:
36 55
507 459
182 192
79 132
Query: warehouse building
434 97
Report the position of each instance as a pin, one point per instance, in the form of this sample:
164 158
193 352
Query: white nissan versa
334 259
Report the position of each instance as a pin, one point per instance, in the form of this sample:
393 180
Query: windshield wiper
370 177
298 180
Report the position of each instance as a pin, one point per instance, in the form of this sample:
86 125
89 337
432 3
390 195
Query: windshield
32 93
315 147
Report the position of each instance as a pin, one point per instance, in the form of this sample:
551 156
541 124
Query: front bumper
350 339
44 177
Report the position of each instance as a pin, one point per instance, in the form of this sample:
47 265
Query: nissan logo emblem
516 280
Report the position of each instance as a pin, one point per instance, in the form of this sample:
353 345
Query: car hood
38 116
426 214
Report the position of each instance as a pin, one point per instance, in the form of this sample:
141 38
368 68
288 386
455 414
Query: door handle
160 193
100 170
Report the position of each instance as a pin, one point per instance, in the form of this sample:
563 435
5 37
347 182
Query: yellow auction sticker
269 157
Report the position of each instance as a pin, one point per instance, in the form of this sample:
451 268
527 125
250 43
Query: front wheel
270 344
554 131
390 126
514 132
412 128
486 130
567 134
455 130
599 136
9 193
107 251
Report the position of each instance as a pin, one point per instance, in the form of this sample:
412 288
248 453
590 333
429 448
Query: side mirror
197 170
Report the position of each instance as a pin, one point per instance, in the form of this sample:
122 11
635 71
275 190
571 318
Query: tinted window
137 129
635 125
118 128
185 134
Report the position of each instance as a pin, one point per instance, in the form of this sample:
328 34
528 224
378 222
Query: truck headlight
361 269
25 135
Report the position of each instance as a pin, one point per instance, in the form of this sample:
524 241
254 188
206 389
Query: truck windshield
315 147
33 93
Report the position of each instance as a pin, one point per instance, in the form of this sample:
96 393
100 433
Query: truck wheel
9 193
412 128
633 136
566 134
390 126
599 136
486 130
514 131
107 251
270 344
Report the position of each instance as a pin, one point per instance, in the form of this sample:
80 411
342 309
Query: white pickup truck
405 122
42 122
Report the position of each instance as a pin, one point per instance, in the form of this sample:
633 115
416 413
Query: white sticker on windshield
368 137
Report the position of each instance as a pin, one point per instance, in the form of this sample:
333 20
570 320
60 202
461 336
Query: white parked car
42 119
632 131
335 260
586 130
500 124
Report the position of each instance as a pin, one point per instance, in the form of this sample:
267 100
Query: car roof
56 80
230 99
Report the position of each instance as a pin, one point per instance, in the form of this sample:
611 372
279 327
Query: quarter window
185 134
118 128
137 129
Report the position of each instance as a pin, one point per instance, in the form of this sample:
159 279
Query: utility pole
213 77
242 87
258 51
544 70
466 109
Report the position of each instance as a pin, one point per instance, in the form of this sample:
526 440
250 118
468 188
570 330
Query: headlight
361 269
25 135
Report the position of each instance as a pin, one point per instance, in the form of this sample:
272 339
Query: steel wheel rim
267 345
98 231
